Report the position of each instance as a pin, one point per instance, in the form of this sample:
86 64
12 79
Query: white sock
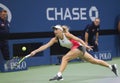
59 74
110 66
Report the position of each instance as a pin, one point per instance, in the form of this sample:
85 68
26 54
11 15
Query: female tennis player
78 49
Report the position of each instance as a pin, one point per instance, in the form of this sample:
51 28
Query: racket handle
24 58
21 60
27 56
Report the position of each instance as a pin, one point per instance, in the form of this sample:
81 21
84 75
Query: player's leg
72 54
69 56
93 60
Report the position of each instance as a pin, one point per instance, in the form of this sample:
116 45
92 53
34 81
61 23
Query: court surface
76 72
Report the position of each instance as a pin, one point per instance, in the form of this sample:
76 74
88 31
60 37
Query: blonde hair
65 28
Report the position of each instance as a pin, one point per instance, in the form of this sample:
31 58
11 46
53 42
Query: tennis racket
9 64
21 60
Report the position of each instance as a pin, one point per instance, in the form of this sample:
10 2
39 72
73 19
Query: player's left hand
89 48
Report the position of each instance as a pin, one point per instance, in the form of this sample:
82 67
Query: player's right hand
33 53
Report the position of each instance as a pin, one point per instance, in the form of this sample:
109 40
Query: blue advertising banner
10 66
40 15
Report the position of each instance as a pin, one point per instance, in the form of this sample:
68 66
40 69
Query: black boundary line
30 35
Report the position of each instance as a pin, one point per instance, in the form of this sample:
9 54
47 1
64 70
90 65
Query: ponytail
65 28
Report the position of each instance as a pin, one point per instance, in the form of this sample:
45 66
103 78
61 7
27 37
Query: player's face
97 22
57 32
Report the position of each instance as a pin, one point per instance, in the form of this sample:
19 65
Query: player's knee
65 58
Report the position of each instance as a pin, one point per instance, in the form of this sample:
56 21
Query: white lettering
59 13
48 13
75 12
22 65
83 14
67 14
94 10
11 66
72 14
103 55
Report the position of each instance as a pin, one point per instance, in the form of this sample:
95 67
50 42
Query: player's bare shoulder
54 39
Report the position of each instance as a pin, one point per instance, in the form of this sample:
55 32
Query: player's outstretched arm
43 47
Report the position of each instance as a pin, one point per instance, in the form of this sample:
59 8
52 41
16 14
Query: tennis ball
24 48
